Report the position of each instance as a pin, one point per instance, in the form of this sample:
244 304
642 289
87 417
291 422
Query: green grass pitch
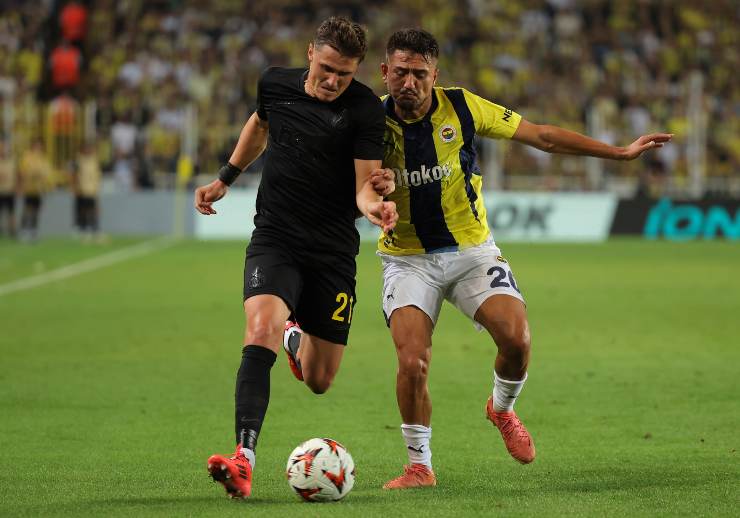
116 385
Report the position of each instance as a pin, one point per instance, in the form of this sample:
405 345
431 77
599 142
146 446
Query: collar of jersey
390 110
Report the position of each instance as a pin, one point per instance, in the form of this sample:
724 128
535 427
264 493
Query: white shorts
465 278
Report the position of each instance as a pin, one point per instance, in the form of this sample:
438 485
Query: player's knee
263 330
413 366
516 341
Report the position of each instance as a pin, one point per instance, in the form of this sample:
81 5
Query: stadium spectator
142 165
86 183
73 22
123 135
562 61
124 172
65 124
35 179
8 187
65 62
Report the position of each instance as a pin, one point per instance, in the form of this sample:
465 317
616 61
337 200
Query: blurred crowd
164 86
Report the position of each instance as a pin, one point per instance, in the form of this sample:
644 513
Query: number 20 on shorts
345 302
500 274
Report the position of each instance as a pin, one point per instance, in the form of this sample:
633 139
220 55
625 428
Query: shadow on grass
253 501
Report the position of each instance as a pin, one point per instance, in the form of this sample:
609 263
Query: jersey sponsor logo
501 259
406 178
507 115
447 133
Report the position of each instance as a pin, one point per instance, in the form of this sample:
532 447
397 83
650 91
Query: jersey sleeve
370 119
492 120
261 107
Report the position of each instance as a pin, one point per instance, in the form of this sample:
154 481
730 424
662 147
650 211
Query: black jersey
306 197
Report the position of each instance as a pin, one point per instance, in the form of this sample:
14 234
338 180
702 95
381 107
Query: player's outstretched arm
251 144
554 139
369 202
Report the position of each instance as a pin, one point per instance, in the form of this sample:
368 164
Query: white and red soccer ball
320 470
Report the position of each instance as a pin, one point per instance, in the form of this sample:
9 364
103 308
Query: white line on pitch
88 265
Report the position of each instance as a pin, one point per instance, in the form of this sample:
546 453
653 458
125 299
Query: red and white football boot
234 473
291 342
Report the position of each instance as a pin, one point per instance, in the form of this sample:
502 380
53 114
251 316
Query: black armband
228 173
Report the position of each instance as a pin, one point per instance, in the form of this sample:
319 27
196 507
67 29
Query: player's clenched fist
383 181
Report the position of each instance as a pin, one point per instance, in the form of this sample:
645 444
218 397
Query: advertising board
512 216
678 220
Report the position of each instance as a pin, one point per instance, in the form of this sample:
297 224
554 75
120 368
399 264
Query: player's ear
436 73
310 52
384 70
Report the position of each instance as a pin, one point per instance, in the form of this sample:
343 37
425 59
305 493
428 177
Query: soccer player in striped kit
441 248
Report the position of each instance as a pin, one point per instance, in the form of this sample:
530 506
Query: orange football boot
414 475
291 348
234 473
515 435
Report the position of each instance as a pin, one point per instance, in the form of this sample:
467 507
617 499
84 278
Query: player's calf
319 359
318 377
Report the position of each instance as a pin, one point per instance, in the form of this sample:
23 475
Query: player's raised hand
645 142
206 195
383 181
382 214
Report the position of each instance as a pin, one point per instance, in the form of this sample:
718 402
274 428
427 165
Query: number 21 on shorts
345 303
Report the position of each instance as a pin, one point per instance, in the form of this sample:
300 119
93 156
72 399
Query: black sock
252 393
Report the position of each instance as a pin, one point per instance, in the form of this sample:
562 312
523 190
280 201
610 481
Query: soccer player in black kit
322 132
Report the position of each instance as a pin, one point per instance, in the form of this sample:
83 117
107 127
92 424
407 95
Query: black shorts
7 202
319 289
87 202
32 200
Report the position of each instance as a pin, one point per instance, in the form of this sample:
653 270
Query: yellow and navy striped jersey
438 181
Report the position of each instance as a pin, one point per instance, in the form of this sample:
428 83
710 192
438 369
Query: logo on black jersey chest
339 120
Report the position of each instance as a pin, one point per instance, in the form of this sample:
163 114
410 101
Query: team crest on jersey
447 133
257 279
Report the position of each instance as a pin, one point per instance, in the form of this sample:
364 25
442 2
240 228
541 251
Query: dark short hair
345 36
414 40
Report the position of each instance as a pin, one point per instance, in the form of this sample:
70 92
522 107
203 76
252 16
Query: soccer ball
321 470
